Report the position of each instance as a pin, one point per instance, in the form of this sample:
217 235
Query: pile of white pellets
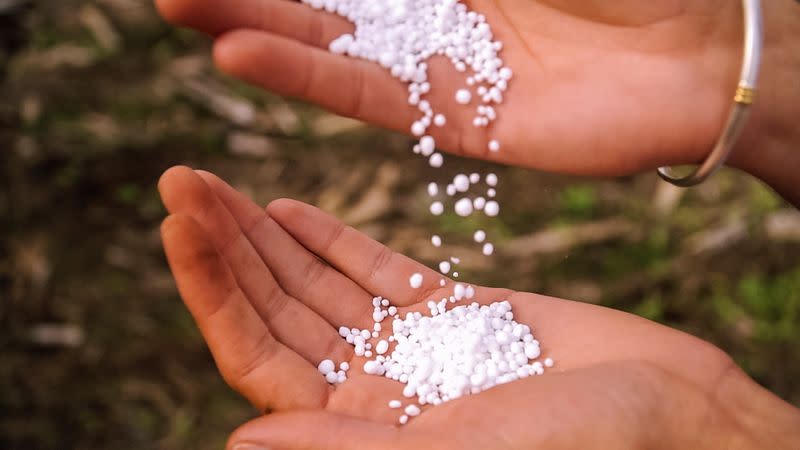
470 347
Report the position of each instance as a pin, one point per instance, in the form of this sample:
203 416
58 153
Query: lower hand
269 289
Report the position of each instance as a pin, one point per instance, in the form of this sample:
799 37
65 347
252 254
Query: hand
269 290
600 88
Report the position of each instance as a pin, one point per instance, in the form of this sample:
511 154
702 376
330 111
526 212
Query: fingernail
248 446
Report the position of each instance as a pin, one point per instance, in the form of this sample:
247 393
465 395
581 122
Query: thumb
324 431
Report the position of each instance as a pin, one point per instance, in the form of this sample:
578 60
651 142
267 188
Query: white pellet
469 292
373 368
381 347
436 160
479 203
464 207
491 179
494 146
437 208
474 178
344 366
417 128
488 248
463 96
532 350
492 208
412 410
326 366
415 280
394 404
491 192
548 362
439 120
331 377
479 236
377 316
427 145
436 241
403 419
458 291
433 189
444 267
461 182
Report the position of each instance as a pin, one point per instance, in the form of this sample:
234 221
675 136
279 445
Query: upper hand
600 88
269 289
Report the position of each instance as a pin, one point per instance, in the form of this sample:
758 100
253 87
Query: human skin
269 288
600 88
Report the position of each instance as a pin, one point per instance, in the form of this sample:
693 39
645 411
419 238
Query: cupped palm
269 289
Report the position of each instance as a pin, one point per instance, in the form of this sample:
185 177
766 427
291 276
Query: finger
305 277
250 359
372 265
326 431
345 86
291 322
286 18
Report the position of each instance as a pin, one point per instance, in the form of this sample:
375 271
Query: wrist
770 146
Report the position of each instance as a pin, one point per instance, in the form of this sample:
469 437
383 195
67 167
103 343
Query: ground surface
96 350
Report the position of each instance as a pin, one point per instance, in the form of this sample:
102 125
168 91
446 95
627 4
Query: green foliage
649 256
763 198
651 307
773 303
578 201
770 302
128 194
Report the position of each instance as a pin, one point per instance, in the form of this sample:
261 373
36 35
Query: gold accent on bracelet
744 95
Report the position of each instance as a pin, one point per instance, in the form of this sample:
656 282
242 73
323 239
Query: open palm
269 289
601 88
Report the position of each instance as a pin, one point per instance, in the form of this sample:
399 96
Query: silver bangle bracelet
745 92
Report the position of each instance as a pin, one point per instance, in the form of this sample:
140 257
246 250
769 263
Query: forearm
770 147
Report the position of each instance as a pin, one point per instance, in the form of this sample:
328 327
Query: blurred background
96 349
